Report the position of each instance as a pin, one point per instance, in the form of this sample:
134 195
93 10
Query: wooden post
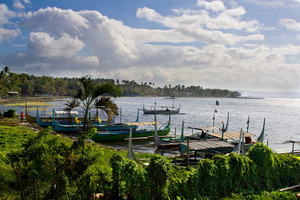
223 131
182 129
248 122
188 152
175 132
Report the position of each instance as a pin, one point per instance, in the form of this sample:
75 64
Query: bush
11 113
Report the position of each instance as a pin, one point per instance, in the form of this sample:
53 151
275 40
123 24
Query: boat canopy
208 145
65 112
230 135
141 123
208 128
291 141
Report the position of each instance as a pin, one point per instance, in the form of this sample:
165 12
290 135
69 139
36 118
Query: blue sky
236 45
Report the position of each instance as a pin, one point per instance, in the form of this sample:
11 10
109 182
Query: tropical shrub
11 113
158 172
46 168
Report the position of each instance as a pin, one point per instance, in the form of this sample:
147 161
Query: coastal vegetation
44 165
29 85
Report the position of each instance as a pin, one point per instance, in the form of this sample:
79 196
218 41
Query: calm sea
282 115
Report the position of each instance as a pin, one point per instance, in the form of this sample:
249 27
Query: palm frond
107 105
70 105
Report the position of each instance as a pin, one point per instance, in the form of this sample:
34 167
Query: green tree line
30 85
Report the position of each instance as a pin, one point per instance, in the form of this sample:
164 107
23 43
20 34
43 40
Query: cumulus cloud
290 24
18 5
7 34
46 46
5 14
205 28
215 6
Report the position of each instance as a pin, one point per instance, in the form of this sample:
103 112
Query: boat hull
162 112
120 136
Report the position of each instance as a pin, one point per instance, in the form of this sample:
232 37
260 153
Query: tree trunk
85 120
19 181
35 189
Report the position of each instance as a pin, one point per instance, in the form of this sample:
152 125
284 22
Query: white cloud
202 27
7 34
43 45
55 21
149 14
5 14
27 1
215 6
18 5
290 24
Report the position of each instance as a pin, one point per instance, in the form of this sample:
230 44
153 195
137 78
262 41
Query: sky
251 45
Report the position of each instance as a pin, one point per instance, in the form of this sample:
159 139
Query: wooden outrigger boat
40 122
293 147
59 127
249 143
63 128
47 122
232 137
44 122
29 118
130 154
207 147
110 136
164 110
202 135
118 126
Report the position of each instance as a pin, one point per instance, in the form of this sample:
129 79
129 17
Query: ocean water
281 114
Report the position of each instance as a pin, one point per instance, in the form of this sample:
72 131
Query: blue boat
111 136
59 127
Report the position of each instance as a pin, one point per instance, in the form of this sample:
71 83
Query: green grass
22 104
12 137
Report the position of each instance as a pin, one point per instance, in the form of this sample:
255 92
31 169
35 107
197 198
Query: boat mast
248 122
157 140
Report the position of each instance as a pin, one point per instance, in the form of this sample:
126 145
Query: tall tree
89 94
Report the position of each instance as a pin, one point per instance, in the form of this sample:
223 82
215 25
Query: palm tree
70 105
108 106
4 74
6 70
89 94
